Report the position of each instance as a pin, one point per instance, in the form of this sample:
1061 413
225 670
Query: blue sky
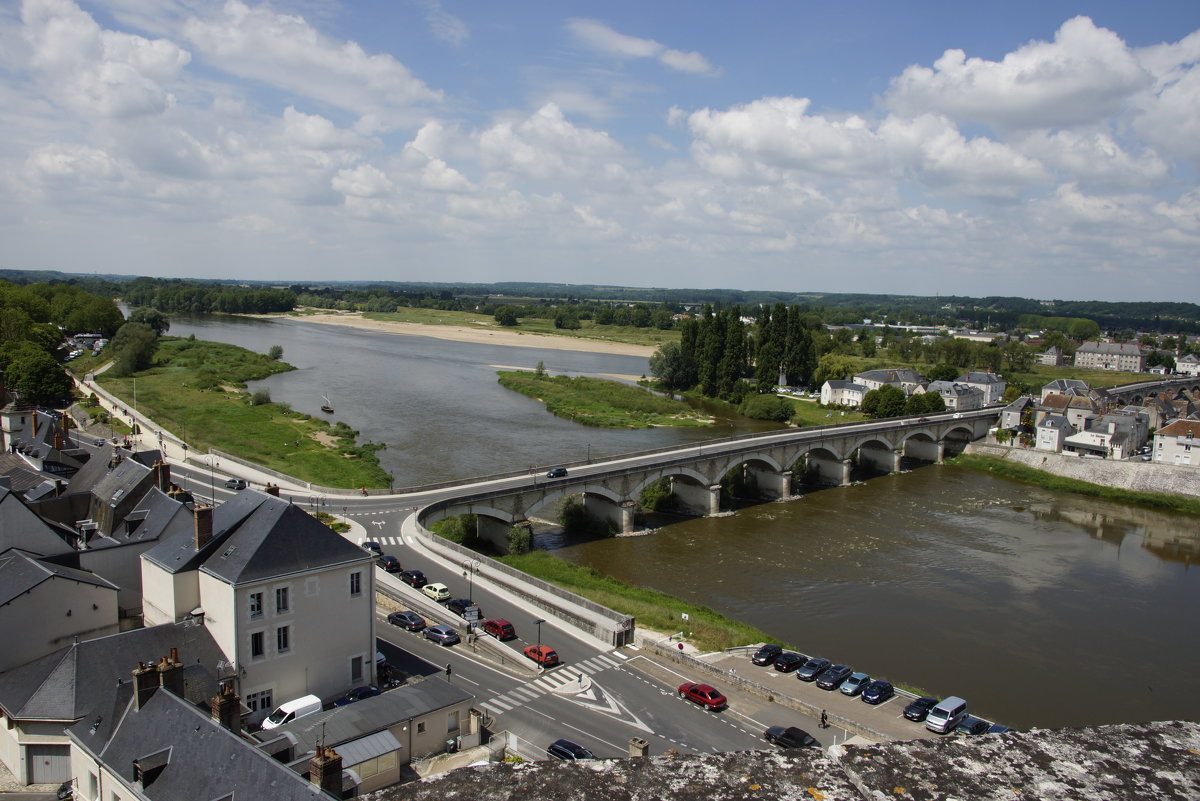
1041 149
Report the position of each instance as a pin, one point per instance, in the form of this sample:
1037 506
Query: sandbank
482 334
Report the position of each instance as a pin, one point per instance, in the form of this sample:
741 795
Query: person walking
824 719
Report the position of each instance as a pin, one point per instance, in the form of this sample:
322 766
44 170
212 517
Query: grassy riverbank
605 404
1029 475
197 390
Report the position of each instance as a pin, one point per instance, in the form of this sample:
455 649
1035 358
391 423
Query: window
355 584
452 721
283 639
256 605
421 727
356 669
93 786
257 649
260 701
281 601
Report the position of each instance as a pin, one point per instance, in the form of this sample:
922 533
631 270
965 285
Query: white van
288 712
946 715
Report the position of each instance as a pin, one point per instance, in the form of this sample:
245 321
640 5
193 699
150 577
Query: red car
499 628
544 655
704 695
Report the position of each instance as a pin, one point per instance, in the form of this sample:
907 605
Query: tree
887 401
158 321
766 407
669 366
924 403
35 374
275 353
832 367
942 372
1018 358
133 349
506 316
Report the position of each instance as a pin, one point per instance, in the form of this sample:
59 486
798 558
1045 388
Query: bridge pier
492 530
881 461
847 464
620 515
941 452
697 499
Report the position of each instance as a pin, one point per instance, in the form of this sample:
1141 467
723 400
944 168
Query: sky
1043 149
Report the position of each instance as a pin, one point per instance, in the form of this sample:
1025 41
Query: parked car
236 484
973 725
373 548
544 655
357 694
706 696
789 661
99 442
389 563
855 683
437 591
565 749
499 628
459 606
556 472
878 691
413 578
997 728
443 635
832 676
766 655
812 668
789 737
918 709
410 621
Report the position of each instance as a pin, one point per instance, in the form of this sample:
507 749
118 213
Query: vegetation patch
601 403
186 391
1029 475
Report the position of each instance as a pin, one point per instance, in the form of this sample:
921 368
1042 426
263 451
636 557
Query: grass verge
601 403
196 390
1029 475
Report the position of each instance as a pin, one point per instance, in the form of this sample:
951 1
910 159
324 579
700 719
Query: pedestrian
824 719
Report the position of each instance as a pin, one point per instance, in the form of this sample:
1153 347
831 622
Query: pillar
846 465
897 459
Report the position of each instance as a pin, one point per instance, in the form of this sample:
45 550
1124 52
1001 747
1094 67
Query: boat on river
326 407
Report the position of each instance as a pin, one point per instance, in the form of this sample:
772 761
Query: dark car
766 655
389 563
812 668
409 621
372 547
997 728
443 635
918 709
357 694
703 694
878 691
832 676
459 606
973 725
413 578
556 472
789 737
565 749
236 484
789 661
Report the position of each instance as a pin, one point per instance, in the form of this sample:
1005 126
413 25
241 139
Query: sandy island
482 335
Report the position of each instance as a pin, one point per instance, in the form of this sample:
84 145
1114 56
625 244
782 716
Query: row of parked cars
939 715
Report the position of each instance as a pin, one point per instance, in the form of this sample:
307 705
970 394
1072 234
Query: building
1188 365
1052 431
289 602
1178 443
1013 414
842 393
1065 386
908 380
1121 356
1051 356
957 397
1109 437
991 385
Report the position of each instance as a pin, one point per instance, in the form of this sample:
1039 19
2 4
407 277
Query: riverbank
482 334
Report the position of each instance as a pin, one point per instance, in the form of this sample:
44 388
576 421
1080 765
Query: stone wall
1122 474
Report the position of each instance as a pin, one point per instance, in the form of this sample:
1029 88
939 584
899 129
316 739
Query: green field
601 403
196 390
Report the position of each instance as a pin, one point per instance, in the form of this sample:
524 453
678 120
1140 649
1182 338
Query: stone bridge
765 466
1138 394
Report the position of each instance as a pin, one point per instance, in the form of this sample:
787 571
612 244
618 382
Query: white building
1178 443
957 397
842 393
1188 365
908 380
1121 356
991 385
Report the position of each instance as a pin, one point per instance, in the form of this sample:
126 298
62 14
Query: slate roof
370 715
157 516
120 481
256 537
947 388
21 528
901 375
980 378
1117 348
843 384
200 760
22 475
1056 421
20 573
1061 385
78 680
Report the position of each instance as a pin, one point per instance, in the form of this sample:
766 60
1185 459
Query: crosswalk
548 683
382 540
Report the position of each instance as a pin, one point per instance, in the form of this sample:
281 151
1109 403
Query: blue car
878 691
357 694
443 635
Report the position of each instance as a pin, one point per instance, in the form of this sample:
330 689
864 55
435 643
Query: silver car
855 683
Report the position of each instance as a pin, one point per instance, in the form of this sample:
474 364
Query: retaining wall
1118 473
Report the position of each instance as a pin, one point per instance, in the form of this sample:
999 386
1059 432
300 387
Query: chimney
170 673
145 682
325 771
60 440
227 709
35 424
272 489
203 516
162 475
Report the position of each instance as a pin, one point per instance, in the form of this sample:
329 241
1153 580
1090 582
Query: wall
1131 475
41 614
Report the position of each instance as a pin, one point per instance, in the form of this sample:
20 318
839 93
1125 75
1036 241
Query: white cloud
603 39
546 145
363 181
1085 75
1170 111
445 25
1094 159
314 132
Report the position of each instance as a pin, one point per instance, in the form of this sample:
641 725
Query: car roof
499 621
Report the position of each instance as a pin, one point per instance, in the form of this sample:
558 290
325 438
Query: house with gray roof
1051 356
991 385
1012 414
1188 365
1064 386
1126 357
957 397
1052 431
908 380
842 393
41 699
1109 436
289 601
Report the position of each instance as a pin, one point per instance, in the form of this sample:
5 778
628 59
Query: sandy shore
486 335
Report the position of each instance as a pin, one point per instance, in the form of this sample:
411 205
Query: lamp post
589 453
539 623
469 573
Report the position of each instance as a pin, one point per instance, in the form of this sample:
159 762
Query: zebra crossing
548 683
382 540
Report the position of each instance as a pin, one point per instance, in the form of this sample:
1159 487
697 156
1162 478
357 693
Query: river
1040 608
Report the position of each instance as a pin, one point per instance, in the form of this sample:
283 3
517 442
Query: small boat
326 406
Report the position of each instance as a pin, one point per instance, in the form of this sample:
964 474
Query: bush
261 397
520 540
766 407
275 353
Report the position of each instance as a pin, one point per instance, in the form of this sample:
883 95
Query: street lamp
539 623
469 575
